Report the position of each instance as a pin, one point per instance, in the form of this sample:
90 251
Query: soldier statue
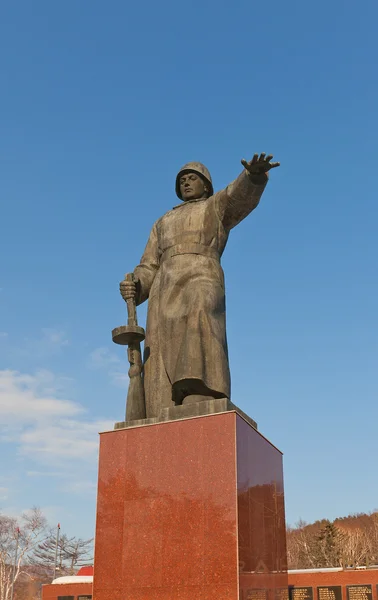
185 352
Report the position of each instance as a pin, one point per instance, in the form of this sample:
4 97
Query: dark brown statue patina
185 354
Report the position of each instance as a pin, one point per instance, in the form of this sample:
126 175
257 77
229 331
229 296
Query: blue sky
100 104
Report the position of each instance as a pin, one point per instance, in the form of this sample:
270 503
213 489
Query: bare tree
302 546
17 539
347 541
372 535
356 548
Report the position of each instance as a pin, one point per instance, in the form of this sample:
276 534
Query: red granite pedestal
190 510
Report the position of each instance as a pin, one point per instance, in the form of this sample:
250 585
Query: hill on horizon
350 541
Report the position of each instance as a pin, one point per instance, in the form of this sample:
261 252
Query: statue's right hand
127 289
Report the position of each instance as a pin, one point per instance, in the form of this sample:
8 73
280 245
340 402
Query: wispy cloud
44 473
29 398
52 513
81 486
47 429
66 439
51 341
105 360
3 335
102 358
65 482
54 337
3 493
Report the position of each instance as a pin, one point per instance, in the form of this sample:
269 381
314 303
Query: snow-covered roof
74 579
320 570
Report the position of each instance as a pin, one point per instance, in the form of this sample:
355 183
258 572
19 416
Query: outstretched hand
259 164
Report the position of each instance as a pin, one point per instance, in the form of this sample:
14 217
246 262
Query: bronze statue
185 354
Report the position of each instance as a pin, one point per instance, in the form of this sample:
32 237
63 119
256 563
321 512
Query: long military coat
181 275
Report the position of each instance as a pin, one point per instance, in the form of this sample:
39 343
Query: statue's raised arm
243 195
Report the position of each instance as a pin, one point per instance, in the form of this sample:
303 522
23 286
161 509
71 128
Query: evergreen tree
77 553
72 553
329 546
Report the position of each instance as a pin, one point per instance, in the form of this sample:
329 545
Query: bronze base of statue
186 411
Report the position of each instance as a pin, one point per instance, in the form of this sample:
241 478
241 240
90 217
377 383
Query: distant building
334 584
304 584
75 587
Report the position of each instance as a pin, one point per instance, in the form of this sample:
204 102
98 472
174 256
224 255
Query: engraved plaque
256 594
359 592
329 592
300 593
282 593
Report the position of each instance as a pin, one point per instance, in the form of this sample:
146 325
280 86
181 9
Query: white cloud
105 360
66 439
49 430
29 398
3 493
3 335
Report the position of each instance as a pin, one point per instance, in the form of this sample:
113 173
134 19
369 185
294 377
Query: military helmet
194 167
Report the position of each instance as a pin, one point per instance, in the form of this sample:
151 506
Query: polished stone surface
166 520
261 517
167 511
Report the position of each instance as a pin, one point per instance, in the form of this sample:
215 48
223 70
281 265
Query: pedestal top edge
233 409
261 435
120 428
186 412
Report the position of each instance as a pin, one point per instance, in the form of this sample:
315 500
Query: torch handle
131 305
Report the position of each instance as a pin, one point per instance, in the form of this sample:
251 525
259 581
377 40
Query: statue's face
192 186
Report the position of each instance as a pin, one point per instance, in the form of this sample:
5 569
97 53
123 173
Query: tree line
28 550
345 542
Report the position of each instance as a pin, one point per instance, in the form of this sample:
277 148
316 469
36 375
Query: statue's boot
190 391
